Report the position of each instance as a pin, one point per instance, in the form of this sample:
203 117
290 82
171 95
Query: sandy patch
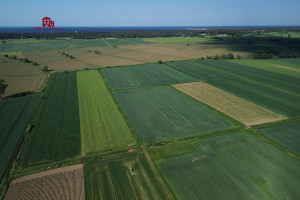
61 183
244 111
289 68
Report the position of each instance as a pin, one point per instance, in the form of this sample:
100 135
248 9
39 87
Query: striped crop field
14 117
162 113
196 71
244 111
270 98
287 135
55 134
276 80
234 166
123 179
102 126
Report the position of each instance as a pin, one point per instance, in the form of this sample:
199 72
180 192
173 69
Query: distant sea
111 29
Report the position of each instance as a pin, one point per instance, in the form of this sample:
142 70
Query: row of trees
222 56
68 55
3 87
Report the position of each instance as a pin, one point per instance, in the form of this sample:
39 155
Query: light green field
235 166
287 135
102 126
275 65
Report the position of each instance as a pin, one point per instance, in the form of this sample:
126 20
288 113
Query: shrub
26 60
160 62
238 57
5 55
35 64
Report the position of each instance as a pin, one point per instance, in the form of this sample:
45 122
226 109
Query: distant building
48 22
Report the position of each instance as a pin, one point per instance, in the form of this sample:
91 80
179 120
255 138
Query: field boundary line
110 182
186 188
250 80
128 176
156 173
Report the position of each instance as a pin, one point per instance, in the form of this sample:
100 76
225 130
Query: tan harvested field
244 111
20 76
125 55
61 183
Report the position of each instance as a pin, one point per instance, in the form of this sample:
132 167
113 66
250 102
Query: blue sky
151 13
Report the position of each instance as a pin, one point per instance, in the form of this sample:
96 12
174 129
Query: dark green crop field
122 179
14 117
157 74
235 166
196 71
287 135
269 78
162 113
119 78
56 133
275 100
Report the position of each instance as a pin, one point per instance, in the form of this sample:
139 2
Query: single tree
3 87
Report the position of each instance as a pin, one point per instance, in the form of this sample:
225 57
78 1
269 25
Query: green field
14 117
119 78
292 60
275 100
157 74
102 126
33 45
162 113
235 166
275 65
196 71
287 135
176 39
271 79
129 178
55 134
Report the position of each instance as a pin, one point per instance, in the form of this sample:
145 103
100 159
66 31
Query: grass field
272 79
162 113
272 99
55 133
293 60
62 183
176 39
275 65
14 117
20 76
235 166
244 111
122 179
102 126
286 135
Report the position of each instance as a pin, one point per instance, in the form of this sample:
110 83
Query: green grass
119 78
102 126
196 71
287 135
122 179
292 61
272 99
271 79
55 134
235 166
157 74
14 117
275 65
176 39
33 45
162 113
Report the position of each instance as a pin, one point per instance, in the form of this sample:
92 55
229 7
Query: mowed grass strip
102 126
287 135
162 113
244 111
233 166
